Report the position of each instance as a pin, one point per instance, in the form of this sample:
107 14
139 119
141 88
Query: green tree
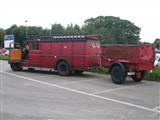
72 29
35 31
45 32
22 33
157 43
77 29
19 33
113 29
57 29
2 32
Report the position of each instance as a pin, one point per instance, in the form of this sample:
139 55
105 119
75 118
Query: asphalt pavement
44 95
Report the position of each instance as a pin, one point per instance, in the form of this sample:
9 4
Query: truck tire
118 75
138 77
63 68
16 67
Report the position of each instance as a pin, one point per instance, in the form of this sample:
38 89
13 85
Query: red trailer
128 60
63 53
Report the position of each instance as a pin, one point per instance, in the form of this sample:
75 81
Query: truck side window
35 46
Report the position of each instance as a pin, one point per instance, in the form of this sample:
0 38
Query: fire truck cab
64 53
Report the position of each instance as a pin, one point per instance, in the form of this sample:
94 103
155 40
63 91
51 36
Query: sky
143 13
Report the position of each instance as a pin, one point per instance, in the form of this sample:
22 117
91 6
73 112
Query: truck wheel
16 67
63 68
138 77
118 75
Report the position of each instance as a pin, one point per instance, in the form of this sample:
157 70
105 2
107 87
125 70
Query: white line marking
64 83
111 90
157 108
84 93
42 76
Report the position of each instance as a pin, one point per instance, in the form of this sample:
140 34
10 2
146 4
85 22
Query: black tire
140 78
63 68
77 72
118 75
16 67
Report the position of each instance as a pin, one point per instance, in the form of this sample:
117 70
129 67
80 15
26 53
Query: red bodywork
80 53
137 57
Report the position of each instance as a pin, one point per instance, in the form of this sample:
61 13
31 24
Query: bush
4 57
153 76
101 71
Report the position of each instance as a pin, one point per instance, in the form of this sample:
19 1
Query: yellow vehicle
15 56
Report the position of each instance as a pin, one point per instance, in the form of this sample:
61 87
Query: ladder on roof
58 37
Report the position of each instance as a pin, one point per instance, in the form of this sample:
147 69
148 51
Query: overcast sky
143 13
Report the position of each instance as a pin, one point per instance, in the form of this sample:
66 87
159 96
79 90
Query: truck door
34 54
46 58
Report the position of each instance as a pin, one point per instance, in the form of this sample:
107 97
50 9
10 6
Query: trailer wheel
16 67
118 75
63 68
138 77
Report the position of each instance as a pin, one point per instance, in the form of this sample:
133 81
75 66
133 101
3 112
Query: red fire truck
65 54
77 53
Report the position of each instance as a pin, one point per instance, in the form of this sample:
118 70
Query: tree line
112 29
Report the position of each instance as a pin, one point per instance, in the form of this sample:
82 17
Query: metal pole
159 44
26 30
50 29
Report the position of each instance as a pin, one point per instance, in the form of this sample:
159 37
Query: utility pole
50 30
26 30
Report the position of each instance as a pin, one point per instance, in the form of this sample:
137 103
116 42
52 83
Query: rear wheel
63 68
118 75
138 77
16 67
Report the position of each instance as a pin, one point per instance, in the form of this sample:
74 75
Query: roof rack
62 37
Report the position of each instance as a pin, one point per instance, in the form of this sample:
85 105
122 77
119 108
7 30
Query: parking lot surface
44 95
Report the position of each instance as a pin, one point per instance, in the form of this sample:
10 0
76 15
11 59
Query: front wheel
118 75
63 68
138 77
16 67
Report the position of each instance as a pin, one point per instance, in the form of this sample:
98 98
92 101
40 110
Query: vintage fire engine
69 54
65 54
